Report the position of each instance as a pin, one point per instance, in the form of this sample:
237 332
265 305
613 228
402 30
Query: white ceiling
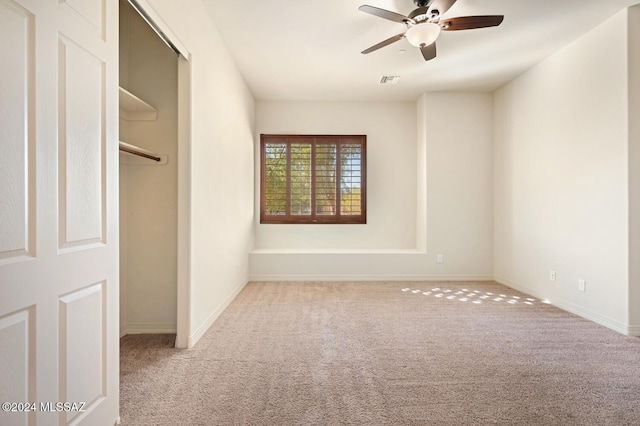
310 49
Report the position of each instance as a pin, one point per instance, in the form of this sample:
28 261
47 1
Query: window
313 179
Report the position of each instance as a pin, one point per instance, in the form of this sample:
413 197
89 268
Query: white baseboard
573 308
147 328
516 286
193 339
633 330
377 277
299 251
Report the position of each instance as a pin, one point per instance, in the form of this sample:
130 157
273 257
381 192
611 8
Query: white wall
421 173
453 133
634 169
460 180
222 130
391 172
561 188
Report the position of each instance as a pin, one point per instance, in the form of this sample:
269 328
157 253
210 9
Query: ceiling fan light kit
424 24
422 34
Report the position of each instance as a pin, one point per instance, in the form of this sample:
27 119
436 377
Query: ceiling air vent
389 79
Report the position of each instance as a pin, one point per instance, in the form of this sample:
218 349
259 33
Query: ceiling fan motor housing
421 14
422 3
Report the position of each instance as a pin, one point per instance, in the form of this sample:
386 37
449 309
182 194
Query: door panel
16 134
81 143
82 373
16 361
90 10
58 210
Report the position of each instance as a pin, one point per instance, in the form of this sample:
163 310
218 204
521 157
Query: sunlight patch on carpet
476 297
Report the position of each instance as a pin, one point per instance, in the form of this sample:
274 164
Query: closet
148 178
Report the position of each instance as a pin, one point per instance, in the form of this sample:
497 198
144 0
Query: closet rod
132 149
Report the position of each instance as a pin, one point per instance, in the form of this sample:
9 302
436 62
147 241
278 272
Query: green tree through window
313 179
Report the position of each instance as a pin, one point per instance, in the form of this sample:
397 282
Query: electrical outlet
552 275
439 258
582 285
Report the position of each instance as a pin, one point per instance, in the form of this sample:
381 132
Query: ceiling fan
424 24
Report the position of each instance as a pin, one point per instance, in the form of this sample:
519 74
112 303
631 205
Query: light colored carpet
385 353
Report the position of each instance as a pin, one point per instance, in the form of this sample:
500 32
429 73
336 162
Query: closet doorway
154 164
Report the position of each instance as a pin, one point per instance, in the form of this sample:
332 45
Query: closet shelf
140 152
132 108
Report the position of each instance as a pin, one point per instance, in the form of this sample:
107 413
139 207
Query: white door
58 212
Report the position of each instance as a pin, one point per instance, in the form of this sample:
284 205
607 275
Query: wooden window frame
313 218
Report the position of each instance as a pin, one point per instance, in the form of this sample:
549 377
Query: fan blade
382 13
429 52
441 6
384 43
471 22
